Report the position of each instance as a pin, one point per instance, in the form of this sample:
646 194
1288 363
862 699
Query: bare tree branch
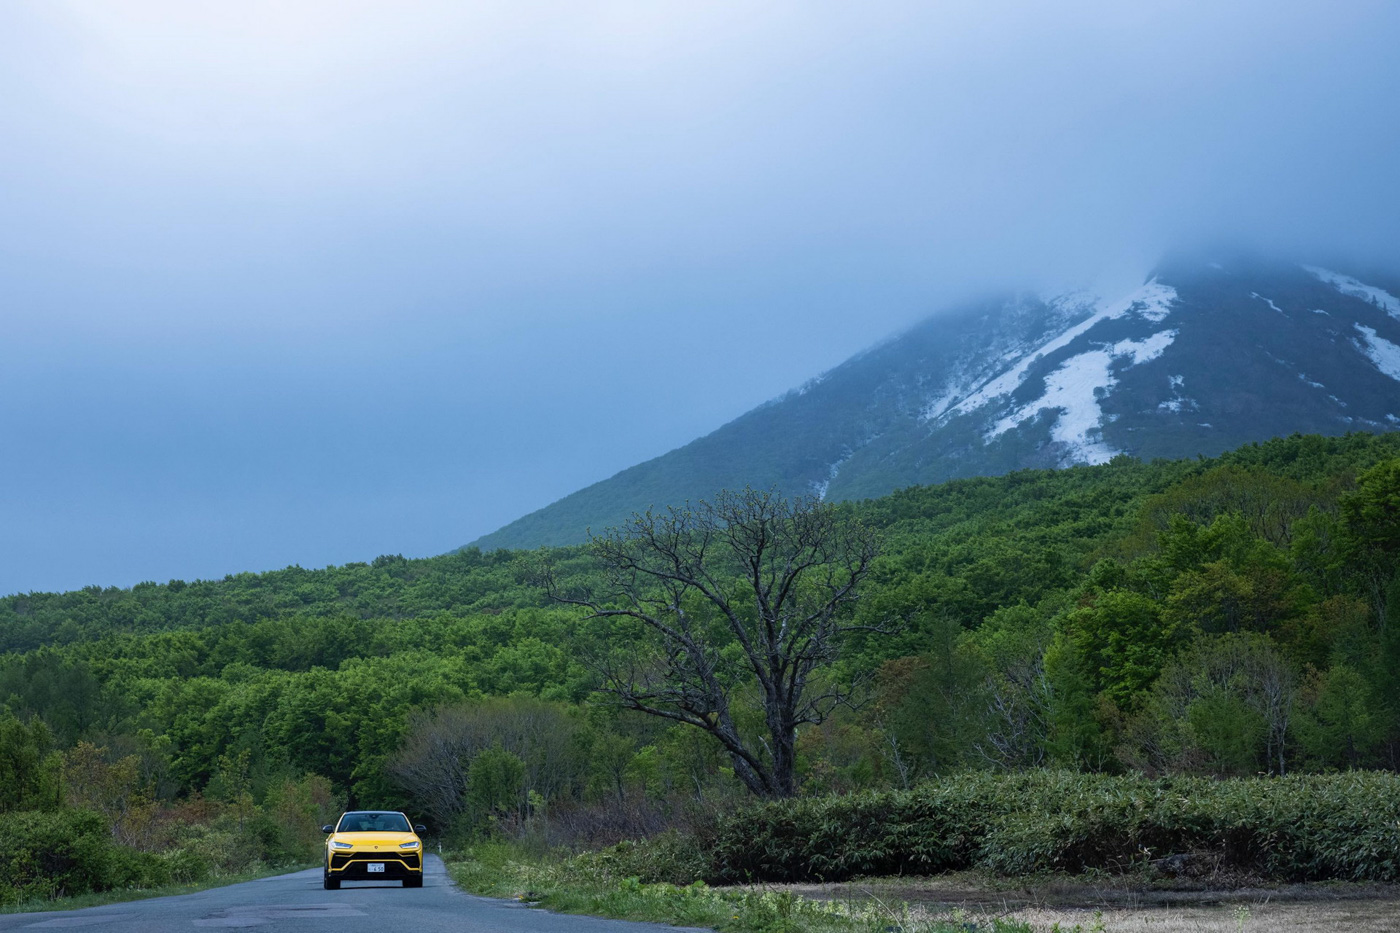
778 579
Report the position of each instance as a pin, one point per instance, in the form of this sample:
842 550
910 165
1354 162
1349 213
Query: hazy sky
308 282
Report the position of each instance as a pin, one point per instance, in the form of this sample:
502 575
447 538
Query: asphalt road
297 902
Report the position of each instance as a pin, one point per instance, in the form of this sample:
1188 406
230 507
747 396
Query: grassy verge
956 903
584 885
120 895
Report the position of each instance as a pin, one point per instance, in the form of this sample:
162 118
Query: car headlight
408 845
341 845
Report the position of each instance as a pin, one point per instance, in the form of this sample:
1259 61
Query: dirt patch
1269 917
1120 905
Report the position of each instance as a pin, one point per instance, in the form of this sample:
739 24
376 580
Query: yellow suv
373 845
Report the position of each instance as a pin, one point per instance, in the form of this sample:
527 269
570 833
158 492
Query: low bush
64 852
671 858
1307 828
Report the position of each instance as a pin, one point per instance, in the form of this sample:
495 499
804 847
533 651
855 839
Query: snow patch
1303 377
819 487
1072 389
1267 301
1380 351
1148 348
1178 402
1153 301
1075 388
935 407
1156 310
1350 286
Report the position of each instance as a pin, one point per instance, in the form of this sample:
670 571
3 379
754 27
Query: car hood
370 840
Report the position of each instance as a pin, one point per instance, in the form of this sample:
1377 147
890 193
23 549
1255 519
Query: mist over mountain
1211 352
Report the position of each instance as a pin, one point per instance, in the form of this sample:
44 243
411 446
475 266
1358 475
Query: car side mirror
327 829
419 828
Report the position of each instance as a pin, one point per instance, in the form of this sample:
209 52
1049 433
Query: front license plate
374 866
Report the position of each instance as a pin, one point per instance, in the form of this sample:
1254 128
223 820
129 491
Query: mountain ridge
1204 356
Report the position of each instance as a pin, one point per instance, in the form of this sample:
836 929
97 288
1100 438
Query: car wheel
413 882
329 883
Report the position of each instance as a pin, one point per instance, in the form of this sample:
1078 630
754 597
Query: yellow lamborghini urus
373 845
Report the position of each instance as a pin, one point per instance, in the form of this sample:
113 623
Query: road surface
296 902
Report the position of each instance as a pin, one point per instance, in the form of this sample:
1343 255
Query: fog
310 285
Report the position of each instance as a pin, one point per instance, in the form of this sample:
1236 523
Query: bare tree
1016 690
434 761
1018 699
1243 671
1274 695
750 592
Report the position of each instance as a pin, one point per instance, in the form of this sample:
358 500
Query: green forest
1202 619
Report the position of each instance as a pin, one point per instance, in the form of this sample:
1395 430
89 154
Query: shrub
187 865
51 854
1309 828
671 857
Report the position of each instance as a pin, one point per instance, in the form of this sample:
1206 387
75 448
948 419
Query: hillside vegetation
1209 618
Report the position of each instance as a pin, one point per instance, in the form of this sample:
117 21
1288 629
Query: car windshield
373 822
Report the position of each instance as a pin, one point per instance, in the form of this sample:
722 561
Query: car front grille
341 859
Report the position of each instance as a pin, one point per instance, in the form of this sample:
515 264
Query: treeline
390 587
1226 616
1244 621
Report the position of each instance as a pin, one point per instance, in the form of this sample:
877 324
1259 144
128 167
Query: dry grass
1116 905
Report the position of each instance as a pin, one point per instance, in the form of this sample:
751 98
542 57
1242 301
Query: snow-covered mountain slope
1203 357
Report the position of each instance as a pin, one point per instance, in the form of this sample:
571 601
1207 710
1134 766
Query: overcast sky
307 282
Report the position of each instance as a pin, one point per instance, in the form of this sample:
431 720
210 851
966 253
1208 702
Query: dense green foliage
1211 617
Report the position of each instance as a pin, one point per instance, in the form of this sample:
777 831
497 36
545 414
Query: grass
583 885
957 903
121 895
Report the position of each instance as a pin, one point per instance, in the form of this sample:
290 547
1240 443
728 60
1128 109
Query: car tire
329 883
413 882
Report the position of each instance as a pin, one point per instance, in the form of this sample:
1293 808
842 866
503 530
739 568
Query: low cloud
482 255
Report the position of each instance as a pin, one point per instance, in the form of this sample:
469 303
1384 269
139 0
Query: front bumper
355 866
